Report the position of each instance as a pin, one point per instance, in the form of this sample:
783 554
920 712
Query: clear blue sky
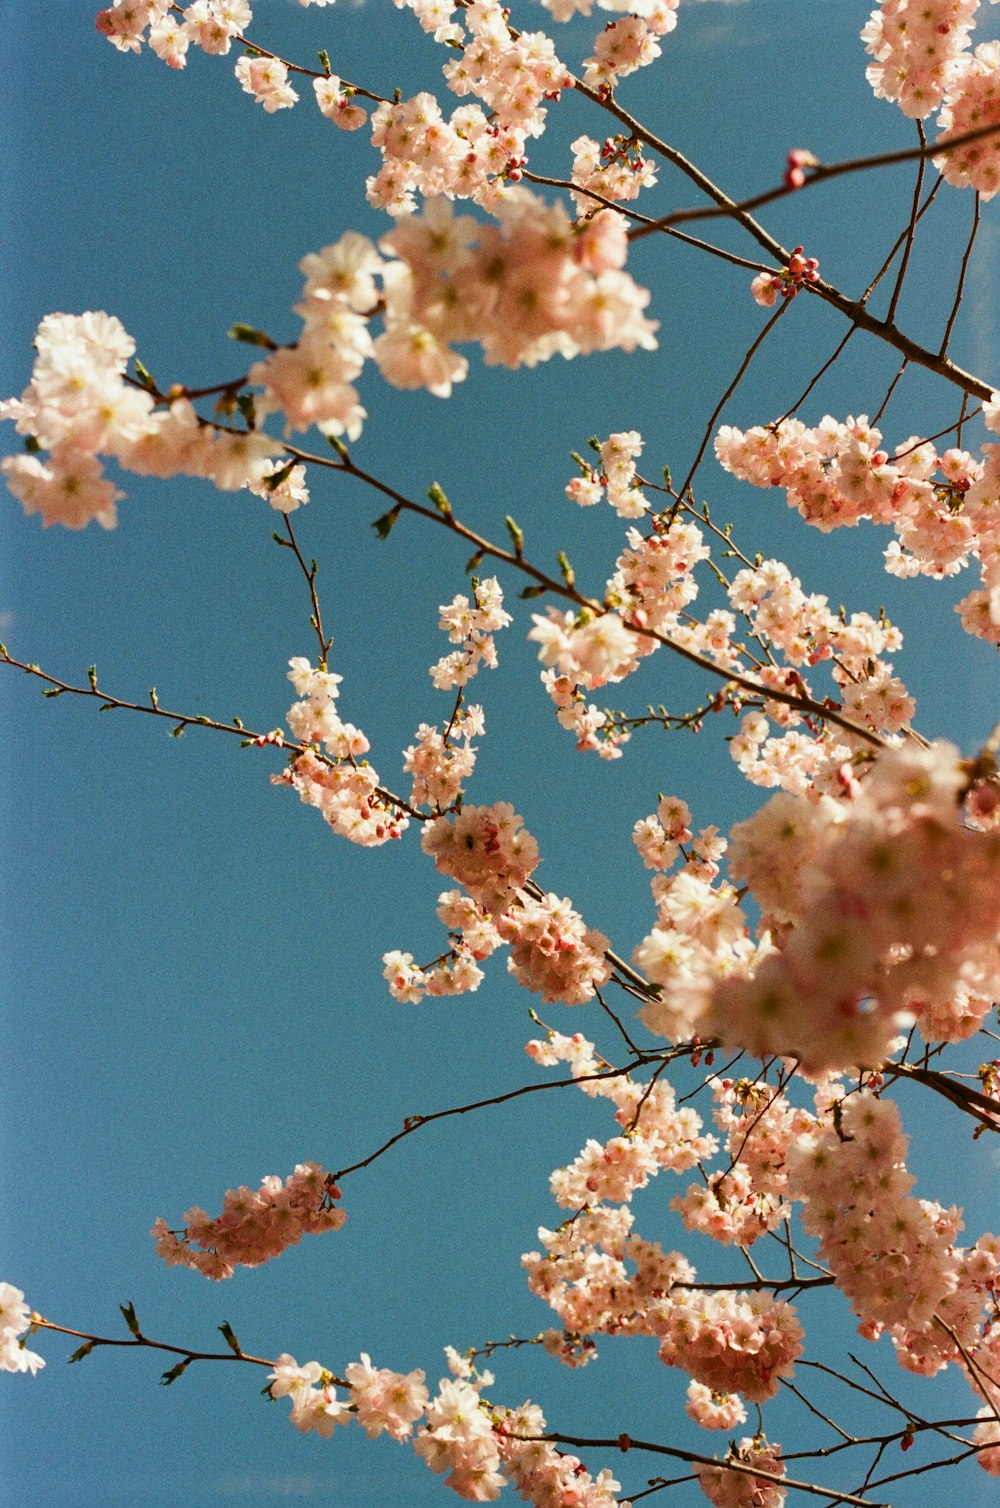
192 961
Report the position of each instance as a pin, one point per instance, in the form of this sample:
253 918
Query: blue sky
192 963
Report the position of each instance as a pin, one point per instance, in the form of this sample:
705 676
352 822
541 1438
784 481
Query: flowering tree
807 986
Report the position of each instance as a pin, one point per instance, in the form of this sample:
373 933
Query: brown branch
446 519
625 1443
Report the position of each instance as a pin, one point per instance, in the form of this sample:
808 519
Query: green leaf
251 337
568 574
81 1352
281 475
173 1374
437 497
229 1336
53 691
516 534
142 375
532 591
128 1310
337 444
383 526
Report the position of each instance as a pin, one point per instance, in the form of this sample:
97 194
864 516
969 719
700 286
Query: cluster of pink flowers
255 1224
345 791
615 170
741 1489
916 47
544 1475
732 1342
749 1198
212 25
701 933
712 1410
871 947
487 849
727 1342
15 1318
629 44
768 287
472 626
973 101
552 950
476 151
478 1445
267 80
924 61
895 1256
79 407
942 507
439 765
617 475
525 289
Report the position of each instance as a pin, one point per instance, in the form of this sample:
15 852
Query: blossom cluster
15 1319
742 1489
943 508
212 25
870 946
749 1197
255 1224
628 44
342 785
79 407
924 61
479 1446
895 1257
552 950
525 289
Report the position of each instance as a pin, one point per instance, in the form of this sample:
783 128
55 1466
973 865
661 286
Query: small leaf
337 444
92 676
229 1336
53 691
516 534
383 526
437 497
81 1352
567 570
251 337
281 475
474 562
142 375
178 731
280 540
128 1311
666 477
173 1374
532 591
324 59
